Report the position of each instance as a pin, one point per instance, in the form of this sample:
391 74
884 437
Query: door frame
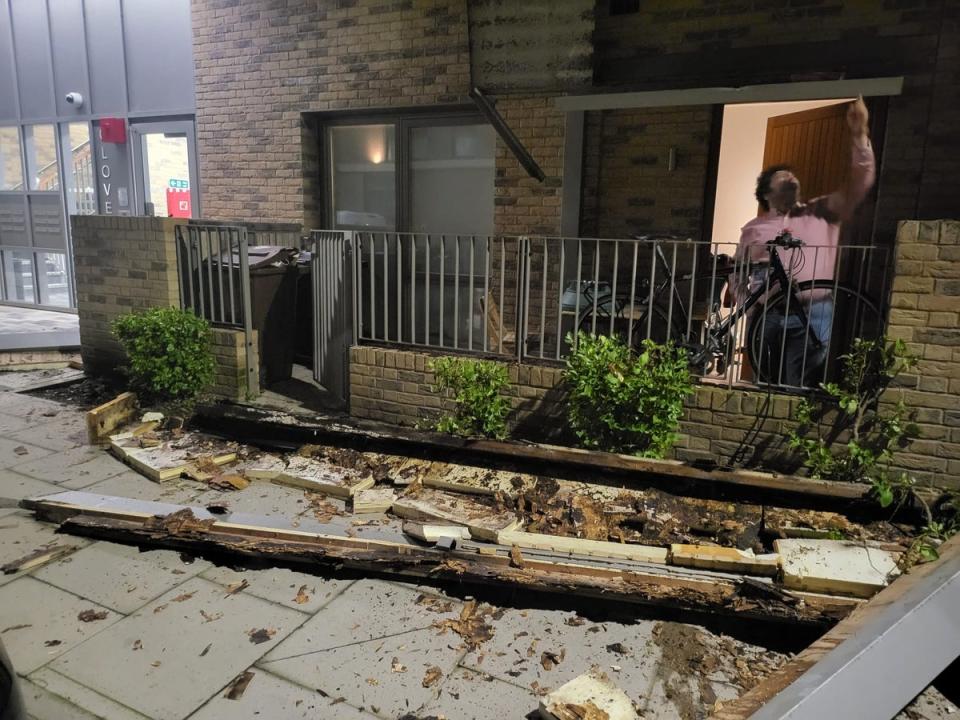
185 127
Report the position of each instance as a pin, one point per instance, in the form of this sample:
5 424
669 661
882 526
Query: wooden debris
433 533
171 459
37 558
239 685
234 588
432 675
471 625
835 566
711 557
91 615
516 557
177 527
103 420
302 597
373 500
485 521
260 635
579 546
230 481
591 696
319 476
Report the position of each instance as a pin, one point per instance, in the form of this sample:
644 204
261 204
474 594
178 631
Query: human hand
858 118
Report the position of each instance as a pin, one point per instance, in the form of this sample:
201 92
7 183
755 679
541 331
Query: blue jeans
782 358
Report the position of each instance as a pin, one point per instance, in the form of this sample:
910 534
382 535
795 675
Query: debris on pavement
235 587
103 420
302 597
36 558
260 635
91 615
431 676
239 685
591 696
471 626
52 643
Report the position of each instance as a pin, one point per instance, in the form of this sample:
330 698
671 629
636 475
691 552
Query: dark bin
273 305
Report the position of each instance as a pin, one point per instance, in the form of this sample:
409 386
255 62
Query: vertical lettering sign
113 177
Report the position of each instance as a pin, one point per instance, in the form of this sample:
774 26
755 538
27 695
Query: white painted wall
741 160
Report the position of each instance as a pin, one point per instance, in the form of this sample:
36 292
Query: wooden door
815 143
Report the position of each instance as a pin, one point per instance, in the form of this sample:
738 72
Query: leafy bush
169 352
623 402
475 386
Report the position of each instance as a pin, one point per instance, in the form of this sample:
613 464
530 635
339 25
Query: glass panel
54 289
364 177
81 192
41 147
451 179
11 167
18 273
166 170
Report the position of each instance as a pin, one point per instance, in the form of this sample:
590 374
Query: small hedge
625 402
169 352
475 387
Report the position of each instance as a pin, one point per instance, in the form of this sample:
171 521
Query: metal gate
331 271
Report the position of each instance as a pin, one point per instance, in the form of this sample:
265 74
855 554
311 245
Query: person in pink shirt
817 224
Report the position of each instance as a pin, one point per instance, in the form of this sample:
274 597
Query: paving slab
269 697
15 486
68 429
281 586
191 639
11 424
135 577
131 484
80 697
28 407
51 615
20 535
347 649
41 704
75 468
15 452
470 695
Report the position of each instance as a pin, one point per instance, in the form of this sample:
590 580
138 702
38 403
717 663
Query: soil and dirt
85 394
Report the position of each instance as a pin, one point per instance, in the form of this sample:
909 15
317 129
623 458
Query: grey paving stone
76 468
28 406
52 617
20 535
11 424
134 577
15 452
41 704
68 429
521 636
347 648
280 585
131 484
271 697
81 697
187 647
470 695
16 486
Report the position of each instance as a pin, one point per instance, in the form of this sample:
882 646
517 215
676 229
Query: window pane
41 147
11 169
166 164
18 273
53 279
451 179
364 177
81 192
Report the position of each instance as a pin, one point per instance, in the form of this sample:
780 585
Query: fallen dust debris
397 666
323 510
618 648
21 450
159 608
235 587
137 645
260 635
239 685
155 663
208 618
206 649
575 621
516 557
549 660
432 675
183 597
52 643
373 682
434 604
230 481
15 627
302 597
91 615
471 625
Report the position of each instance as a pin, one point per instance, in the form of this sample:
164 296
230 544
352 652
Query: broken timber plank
433 533
711 557
197 530
37 558
484 521
167 460
288 428
103 420
838 567
579 546
374 500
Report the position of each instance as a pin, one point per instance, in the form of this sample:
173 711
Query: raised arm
842 202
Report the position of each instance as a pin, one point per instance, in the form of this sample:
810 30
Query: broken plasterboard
484 520
591 696
710 557
170 459
433 533
321 476
374 500
835 566
579 546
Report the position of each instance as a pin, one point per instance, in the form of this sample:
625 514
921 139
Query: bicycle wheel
779 346
657 325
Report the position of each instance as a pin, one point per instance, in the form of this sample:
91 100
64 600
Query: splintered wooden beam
196 530
103 420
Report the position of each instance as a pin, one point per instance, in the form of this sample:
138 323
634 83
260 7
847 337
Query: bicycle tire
849 304
621 327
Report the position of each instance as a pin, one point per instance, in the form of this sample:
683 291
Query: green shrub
169 352
475 387
623 402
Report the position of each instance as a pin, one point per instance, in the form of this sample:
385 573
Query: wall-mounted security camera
75 99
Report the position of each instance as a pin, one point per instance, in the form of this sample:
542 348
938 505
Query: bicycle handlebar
786 240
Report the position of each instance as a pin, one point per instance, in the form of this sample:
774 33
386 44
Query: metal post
253 381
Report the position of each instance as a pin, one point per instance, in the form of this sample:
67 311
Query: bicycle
782 303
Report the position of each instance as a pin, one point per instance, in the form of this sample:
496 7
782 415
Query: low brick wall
739 426
128 264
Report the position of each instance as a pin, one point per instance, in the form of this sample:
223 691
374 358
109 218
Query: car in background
11 702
